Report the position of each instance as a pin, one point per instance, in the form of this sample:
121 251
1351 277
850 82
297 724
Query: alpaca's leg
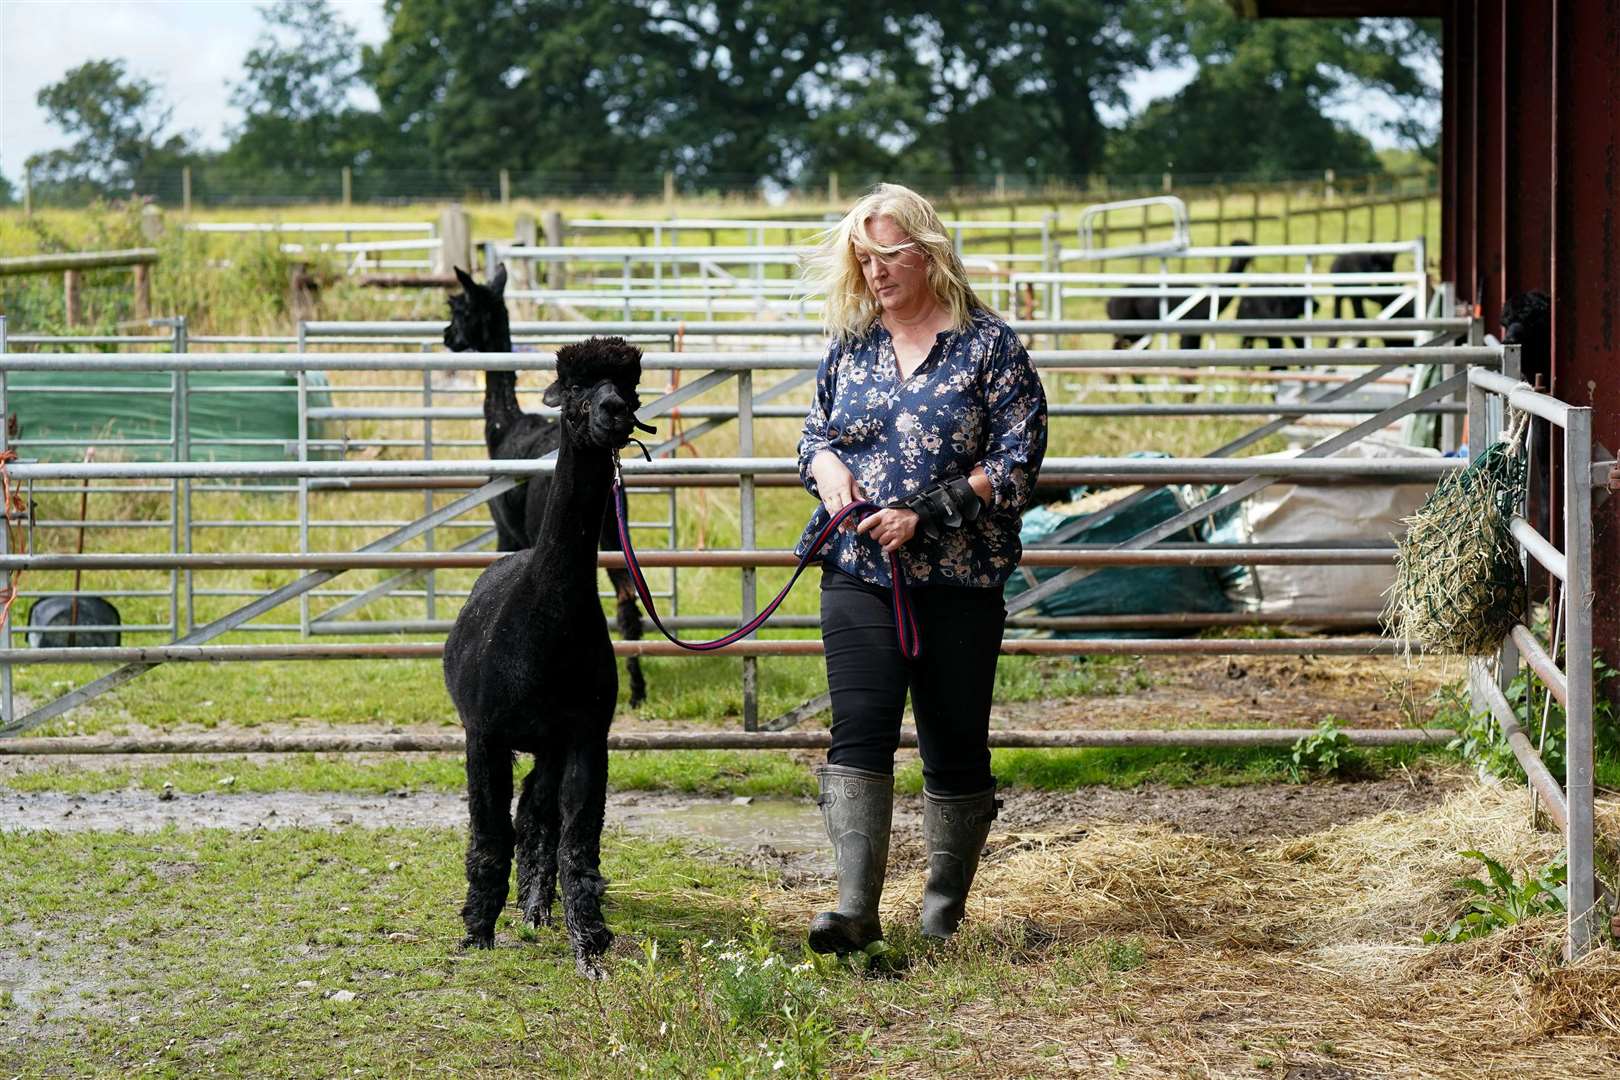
629 614
489 843
538 823
584 798
630 629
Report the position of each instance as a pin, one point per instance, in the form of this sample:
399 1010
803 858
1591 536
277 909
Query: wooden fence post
185 189
525 234
143 291
556 275
506 188
455 241
1288 214
70 297
669 188
832 187
348 186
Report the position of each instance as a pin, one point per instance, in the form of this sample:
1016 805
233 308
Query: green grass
711 773
303 953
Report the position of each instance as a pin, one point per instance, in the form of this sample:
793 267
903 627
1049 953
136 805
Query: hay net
1459 581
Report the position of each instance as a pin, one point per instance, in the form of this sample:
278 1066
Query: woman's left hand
890 527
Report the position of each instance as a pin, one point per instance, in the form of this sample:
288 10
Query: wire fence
203 185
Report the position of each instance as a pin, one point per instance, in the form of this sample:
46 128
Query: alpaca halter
905 622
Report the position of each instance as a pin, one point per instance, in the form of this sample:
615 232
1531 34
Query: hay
1459 585
1306 951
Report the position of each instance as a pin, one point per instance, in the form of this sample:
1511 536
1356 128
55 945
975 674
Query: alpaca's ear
465 278
497 283
553 395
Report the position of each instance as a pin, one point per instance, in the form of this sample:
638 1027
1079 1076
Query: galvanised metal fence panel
719 367
1570 806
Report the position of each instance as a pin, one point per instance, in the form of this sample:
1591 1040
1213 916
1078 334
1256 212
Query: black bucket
51 622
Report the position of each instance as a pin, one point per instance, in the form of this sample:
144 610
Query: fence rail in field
71 264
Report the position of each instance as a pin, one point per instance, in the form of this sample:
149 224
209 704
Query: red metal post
1527 161
1586 258
1491 151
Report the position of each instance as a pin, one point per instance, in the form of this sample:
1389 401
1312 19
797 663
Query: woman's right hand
835 483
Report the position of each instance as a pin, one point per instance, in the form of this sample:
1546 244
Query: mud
781 832
1245 691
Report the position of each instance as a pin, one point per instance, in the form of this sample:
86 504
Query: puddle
786 826
790 826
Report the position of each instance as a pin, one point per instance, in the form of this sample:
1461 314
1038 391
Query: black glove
946 505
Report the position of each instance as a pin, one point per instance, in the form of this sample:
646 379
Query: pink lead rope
905 622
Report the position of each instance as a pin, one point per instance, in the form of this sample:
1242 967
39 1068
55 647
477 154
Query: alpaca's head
595 391
1527 323
1239 263
478 320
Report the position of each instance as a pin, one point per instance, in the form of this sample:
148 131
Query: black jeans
951 682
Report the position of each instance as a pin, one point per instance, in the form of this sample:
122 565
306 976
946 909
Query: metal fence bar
1127 470
181 652
1074 359
454 742
465 558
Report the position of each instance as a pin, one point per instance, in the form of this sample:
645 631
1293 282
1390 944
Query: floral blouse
975 400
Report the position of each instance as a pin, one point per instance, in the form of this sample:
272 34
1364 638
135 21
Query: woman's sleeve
814 440
1017 442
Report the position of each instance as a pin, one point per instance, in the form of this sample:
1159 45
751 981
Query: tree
1016 86
1258 105
301 122
8 193
119 121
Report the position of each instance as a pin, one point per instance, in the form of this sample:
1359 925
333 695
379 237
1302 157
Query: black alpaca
1272 309
1147 307
478 323
1364 264
1140 308
529 665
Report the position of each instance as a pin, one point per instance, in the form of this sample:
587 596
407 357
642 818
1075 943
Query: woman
928 405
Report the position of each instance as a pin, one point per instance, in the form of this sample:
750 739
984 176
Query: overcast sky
193 50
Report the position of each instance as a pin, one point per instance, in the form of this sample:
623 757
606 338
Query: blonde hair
834 271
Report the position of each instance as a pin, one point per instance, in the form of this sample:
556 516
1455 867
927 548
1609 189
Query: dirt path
769 830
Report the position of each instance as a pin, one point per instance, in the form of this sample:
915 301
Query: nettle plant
1500 900
1324 752
1479 738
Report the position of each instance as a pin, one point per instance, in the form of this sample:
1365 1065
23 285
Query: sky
193 50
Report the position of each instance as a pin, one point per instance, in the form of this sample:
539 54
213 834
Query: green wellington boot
857 806
955 828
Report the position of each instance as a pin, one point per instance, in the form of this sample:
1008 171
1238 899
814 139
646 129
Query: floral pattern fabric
975 400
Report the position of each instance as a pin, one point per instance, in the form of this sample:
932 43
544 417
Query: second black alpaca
1147 307
479 323
1364 263
529 665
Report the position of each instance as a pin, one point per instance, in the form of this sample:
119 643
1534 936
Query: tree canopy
298 98
119 122
732 93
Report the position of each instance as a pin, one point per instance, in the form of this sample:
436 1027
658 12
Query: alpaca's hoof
590 966
479 940
540 917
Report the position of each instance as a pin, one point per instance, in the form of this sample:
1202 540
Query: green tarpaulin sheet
81 408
